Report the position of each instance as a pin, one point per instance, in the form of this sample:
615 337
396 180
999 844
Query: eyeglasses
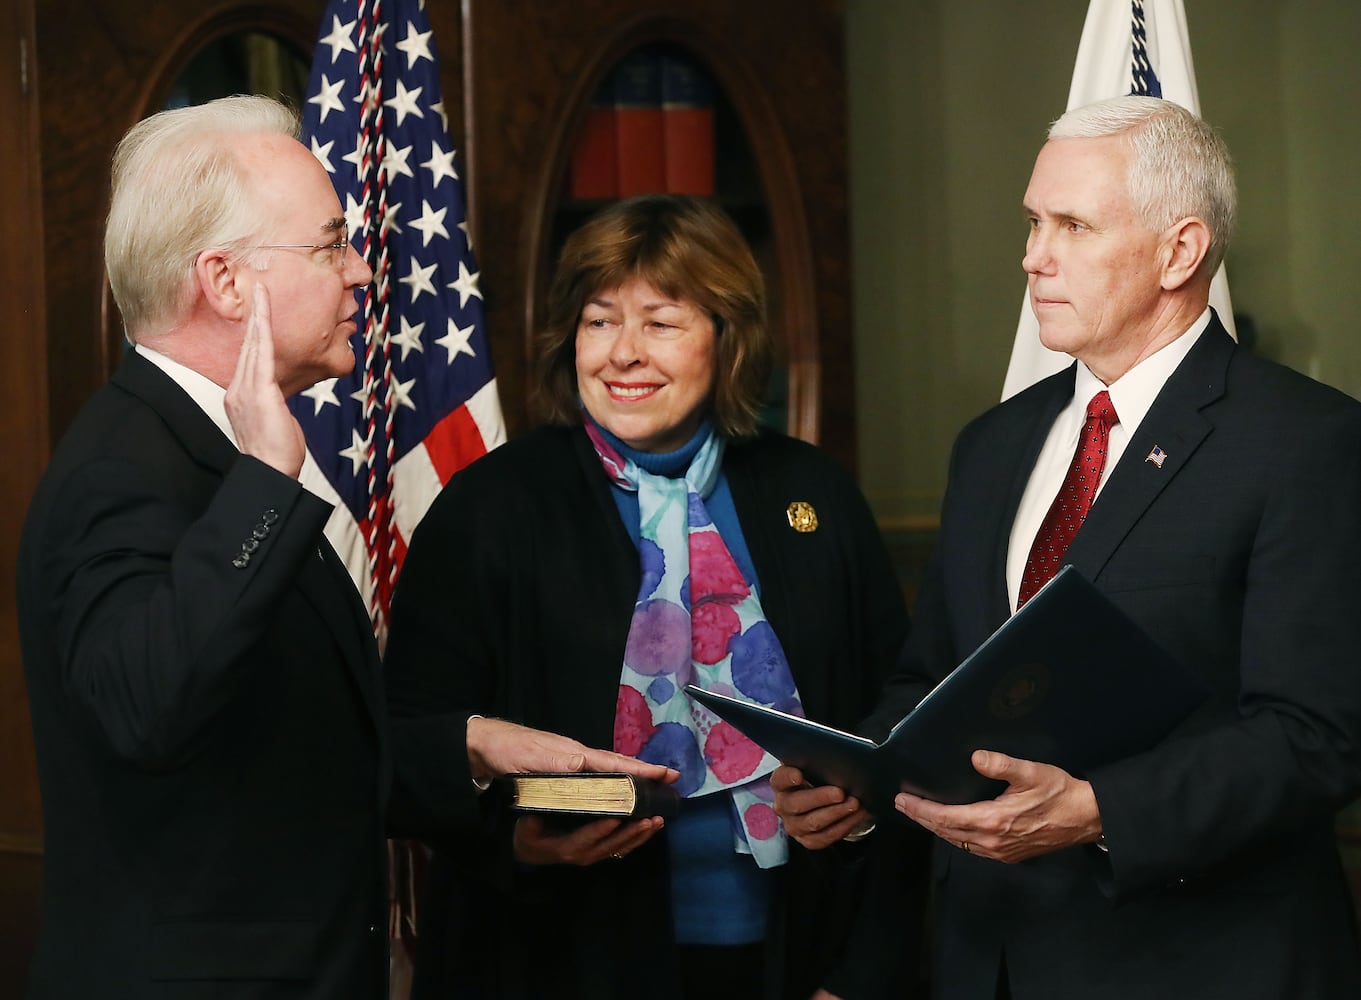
337 249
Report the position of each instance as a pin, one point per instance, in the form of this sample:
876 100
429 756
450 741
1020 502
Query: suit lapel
1015 452
1174 424
326 584
196 432
323 581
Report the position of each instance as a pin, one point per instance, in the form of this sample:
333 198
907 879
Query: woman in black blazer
523 597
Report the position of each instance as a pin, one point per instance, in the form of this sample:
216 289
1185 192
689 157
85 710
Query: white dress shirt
1131 394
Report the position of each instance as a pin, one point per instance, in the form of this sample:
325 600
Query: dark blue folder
1068 680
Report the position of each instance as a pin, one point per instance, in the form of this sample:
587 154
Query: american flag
422 403
1127 47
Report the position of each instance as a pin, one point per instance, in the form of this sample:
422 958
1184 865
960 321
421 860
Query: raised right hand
262 422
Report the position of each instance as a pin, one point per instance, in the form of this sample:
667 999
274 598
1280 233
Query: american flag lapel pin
1157 456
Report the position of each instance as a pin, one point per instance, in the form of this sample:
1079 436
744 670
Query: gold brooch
802 517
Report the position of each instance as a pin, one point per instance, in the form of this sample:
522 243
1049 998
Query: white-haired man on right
1216 498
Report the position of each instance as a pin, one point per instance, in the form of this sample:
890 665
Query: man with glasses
205 689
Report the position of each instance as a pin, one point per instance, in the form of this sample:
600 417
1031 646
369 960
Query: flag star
328 96
440 165
404 103
466 234
466 284
410 338
339 39
416 45
431 223
367 88
419 279
323 154
354 217
357 452
438 108
395 161
356 156
456 341
321 394
390 219
401 393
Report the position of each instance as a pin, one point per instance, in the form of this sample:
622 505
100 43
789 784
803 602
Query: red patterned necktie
1073 500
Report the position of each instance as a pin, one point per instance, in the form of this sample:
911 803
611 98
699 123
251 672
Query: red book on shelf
595 156
687 126
640 150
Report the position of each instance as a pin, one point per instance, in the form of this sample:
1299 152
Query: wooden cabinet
529 71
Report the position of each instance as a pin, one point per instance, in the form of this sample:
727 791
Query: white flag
1109 64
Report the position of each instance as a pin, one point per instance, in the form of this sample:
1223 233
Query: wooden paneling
532 66
102 70
20 882
23 434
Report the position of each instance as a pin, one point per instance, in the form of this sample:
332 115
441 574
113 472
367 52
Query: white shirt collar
1133 392
207 394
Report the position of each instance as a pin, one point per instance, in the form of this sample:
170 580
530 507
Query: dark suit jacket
515 601
1241 555
208 720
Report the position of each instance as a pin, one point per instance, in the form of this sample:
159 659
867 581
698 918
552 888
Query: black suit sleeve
1281 751
443 626
156 613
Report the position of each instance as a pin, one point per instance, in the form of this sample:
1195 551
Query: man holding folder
1214 497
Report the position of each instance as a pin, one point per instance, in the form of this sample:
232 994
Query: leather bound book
595 157
591 794
688 125
639 140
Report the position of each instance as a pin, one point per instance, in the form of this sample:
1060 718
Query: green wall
949 101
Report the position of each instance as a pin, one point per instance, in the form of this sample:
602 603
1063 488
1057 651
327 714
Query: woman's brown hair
686 248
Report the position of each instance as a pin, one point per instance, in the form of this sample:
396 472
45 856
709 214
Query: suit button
260 531
270 516
242 560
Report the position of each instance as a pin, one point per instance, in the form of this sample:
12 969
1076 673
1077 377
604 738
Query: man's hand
1043 810
497 747
263 424
815 817
588 844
